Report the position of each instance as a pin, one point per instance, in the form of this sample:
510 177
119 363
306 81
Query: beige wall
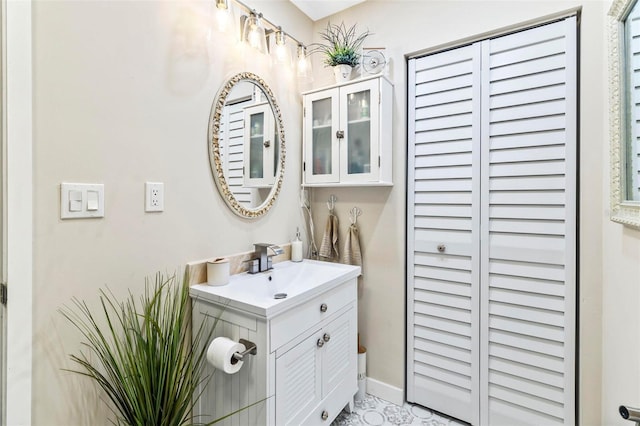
404 27
122 94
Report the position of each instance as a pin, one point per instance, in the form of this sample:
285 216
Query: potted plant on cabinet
340 48
142 354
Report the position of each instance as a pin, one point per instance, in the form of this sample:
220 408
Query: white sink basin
255 293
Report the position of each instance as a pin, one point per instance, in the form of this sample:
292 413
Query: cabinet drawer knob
320 343
340 134
326 337
323 307
325 415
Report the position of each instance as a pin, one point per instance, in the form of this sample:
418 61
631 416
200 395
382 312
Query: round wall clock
373 61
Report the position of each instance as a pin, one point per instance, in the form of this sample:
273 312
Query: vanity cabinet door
260 146
339 358
298 381
321 124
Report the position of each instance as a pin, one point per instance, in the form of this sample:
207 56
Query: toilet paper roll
220 354
218 271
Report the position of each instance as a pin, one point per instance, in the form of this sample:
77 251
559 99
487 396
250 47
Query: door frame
17 215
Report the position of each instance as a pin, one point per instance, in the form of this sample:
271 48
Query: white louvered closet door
443 232
494 323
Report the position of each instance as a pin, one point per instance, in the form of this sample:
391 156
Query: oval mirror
246 145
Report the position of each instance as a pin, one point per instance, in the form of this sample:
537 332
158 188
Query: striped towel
330 239
352 254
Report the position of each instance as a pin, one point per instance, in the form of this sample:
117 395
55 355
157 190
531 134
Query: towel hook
354 213
331 204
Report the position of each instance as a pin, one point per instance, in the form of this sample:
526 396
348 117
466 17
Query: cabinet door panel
298 381
260 147
359 120
321 124
339 360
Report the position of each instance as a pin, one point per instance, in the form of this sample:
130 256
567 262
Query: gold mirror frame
214 147
622 210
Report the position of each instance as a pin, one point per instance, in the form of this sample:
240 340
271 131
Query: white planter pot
342 73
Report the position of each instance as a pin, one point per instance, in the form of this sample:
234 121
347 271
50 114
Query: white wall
404 27
122 93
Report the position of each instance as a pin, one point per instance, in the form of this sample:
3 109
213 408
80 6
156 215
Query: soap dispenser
296 248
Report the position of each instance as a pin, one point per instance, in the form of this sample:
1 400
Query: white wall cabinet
347 134
305 368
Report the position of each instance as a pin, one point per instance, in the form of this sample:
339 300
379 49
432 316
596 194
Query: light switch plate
74 207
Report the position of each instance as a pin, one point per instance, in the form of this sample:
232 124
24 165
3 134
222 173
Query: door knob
320 343
326 337
323 307
340 134
325 415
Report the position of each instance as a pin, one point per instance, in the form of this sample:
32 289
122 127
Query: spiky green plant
141 354
341 44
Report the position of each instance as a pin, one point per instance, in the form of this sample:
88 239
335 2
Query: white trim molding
385 391
18 165
622 210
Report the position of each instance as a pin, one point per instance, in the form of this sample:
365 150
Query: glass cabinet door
359 149
260 146
321 125
256 146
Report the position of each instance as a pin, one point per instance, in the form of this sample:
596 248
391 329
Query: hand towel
352 254
330 239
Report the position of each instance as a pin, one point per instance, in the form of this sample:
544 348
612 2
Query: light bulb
303 64
281 51
254 34
223 15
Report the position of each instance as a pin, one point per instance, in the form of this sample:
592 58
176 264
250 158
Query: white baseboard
385 391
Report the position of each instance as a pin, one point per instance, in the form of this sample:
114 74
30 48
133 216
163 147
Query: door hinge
3 294
304 112
304 166
378 161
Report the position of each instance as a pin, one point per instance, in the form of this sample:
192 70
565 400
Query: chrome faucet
263 257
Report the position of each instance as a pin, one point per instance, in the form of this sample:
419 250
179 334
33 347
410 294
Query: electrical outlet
154 197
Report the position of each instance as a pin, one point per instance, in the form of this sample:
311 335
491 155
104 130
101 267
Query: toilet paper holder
251 349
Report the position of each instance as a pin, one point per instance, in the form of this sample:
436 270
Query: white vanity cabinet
315 372
348 135
306 361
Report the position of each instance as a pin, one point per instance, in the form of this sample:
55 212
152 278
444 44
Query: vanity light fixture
223 15
253 32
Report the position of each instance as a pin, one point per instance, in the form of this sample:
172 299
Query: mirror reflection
631 100
247 145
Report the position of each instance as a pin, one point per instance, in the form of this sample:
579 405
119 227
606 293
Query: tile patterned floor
374 411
